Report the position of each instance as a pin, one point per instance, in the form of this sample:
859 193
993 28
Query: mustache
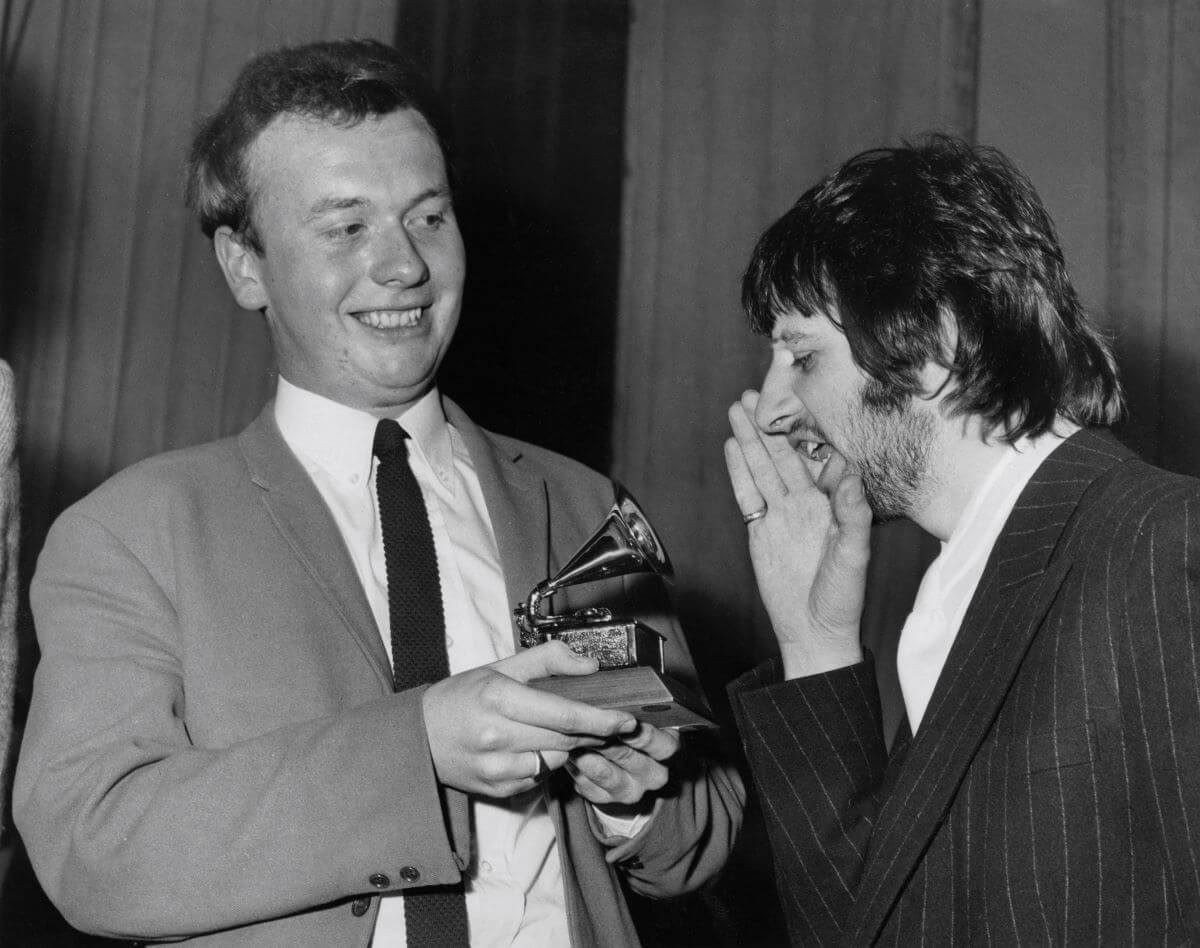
805 432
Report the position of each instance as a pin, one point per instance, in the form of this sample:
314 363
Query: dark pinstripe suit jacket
1052 794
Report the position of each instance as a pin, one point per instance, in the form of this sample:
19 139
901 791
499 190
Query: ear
242 267
936 379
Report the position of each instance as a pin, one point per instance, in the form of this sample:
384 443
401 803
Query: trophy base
639 689
614 644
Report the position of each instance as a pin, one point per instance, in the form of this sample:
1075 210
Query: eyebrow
791 337
329 204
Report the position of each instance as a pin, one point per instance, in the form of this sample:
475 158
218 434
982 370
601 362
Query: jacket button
379 880
410 874
359 907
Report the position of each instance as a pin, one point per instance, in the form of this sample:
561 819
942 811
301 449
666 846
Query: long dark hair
941 252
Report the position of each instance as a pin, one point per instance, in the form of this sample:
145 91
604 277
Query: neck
960 461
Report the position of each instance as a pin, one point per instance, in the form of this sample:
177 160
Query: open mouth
391 318
817 451
817 455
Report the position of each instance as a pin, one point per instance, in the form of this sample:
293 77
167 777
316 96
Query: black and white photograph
599 473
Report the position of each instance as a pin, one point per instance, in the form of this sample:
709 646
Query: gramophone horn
624 543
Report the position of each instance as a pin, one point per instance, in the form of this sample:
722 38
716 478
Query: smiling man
280 700
930 360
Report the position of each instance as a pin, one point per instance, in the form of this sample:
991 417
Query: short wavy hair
340 81
896 241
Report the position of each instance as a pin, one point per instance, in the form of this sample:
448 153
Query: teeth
390 318
816 450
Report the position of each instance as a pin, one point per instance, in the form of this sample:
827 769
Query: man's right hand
484 723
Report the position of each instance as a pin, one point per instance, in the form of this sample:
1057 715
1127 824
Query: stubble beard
894 445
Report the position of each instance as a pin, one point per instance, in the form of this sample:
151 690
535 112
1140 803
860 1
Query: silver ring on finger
540 768
755 515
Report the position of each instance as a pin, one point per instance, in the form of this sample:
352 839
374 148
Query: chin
885 506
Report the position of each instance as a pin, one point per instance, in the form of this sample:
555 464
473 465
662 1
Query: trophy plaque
631 675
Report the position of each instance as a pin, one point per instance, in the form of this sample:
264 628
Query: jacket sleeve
816 753
692 830
135 830
698 814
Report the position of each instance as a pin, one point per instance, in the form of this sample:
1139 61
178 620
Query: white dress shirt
951 580
514 889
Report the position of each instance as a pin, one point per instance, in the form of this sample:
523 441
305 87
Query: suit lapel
517 507
308 527
1016 590
516 504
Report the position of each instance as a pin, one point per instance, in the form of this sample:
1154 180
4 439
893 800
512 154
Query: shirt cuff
627 826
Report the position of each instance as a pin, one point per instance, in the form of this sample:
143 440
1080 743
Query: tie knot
389 440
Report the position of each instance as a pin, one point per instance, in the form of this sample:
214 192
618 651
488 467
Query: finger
501 775
541 661
511 737
532 765
758 461
625 773
516 702
745 492
793 466
653 742
528 764
852 513
587 789
609 779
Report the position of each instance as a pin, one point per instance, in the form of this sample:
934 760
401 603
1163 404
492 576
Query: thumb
852 514
552 658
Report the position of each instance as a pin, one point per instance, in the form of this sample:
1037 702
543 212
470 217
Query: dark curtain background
617 160
535 91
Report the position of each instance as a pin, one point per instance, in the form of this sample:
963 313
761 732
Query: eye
344 231
429 221
803 362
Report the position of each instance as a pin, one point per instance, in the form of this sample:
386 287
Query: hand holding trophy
632 668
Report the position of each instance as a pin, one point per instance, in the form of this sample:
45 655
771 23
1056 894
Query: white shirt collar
989 507
339 438
950 582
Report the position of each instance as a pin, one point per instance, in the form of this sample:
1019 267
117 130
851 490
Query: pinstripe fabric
1052 794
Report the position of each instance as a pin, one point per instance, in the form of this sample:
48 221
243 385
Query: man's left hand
625 771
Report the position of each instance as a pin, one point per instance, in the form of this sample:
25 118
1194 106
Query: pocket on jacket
1054 749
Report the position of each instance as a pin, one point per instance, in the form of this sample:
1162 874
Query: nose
778 405
398 261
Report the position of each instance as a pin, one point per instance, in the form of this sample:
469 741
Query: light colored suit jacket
1052 792
214 745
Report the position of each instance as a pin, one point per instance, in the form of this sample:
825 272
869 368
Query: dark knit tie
435 916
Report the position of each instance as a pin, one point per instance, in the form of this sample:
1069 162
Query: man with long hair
930 360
